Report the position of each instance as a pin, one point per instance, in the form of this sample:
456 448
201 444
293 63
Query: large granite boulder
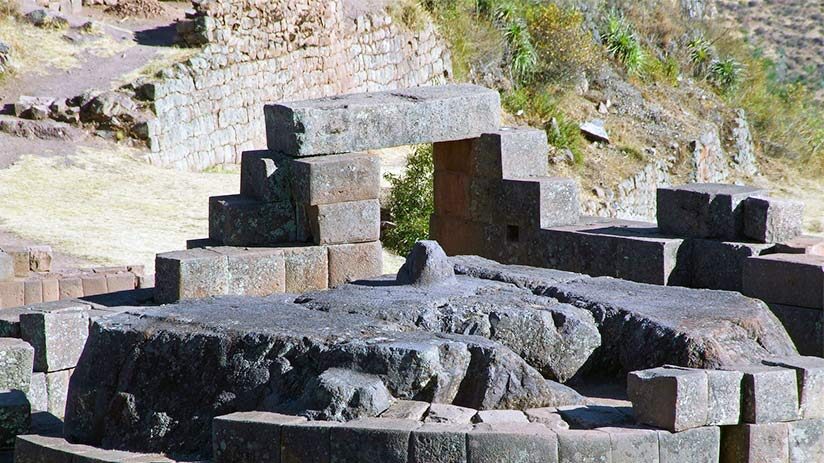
556 339
152 379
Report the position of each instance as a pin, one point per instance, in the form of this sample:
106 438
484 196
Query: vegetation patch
411 202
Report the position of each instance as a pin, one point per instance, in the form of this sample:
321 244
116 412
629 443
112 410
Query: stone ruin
280 340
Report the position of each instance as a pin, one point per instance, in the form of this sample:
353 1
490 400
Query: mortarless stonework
208 110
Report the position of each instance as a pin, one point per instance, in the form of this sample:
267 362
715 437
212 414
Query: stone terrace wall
210 109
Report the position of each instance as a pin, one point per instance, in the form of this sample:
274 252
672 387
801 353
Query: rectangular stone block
364 121
12 293
771 220
512 443
806 441
254 271
302 442
500 416
6 266
57 390
242 221
805 244
704 210
720 264
335 179
342 223
447 413
306 267
388 440
511 152
452 195
618 248
698 445
810 378
191 274
16 364
406 410
71 287
352 262
40 258
33 291
457 236
15 417
767 442
439 442
632 445
58 338
539 202
805 327
249 436
51 289
596 416
671 399
789 279
548 416
575 446
265 176
43 449
94 284
38 393
724 395
770 394
121 281
20 256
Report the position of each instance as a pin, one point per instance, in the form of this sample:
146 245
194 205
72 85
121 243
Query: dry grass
37 50
107 207
164 59
785 180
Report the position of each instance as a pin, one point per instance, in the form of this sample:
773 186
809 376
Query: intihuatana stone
425 265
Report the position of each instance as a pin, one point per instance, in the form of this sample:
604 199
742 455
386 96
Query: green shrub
664 70
540 108
564 47
725 74
523 59
700 55
622 43
409 13
411 202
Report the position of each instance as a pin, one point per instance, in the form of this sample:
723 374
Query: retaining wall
210 109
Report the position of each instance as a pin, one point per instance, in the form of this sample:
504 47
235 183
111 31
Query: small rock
342 395
426 265
594 131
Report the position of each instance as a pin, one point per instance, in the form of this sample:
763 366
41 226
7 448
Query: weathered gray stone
806 440
309 441
451 414
45 449
511 443
500 416
342 395
6 266
704 210
307 268
595 131
249 436
720 264
644 326
406 410
756 442
346 222
576 446
770 394
554 338
237 220
336 179
805 327
810 378
632 445
58 338
57 387
511 152
698 445
789 279
671 399
10 322
262 353
548 416
16 362
15 417
265 176
724 396
38 394
532 278
624 249
358 122
190 274
541 202
254 272
439 442
353 262
425 265
771 220
388 439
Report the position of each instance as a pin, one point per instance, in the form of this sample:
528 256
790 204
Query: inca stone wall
209 109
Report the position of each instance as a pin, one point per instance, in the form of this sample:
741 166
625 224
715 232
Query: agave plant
725 74
622 43
524 59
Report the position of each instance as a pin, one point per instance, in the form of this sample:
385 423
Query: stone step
788 279
364 121
237 220
511 152
704 210
38 449
771 220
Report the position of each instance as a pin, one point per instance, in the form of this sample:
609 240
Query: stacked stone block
780 414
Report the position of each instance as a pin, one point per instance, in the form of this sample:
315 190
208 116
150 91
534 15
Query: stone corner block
671 399
190 274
